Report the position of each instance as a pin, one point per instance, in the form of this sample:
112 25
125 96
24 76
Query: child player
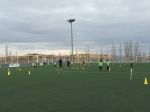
131 65
68 63
100 64
60 63
108 65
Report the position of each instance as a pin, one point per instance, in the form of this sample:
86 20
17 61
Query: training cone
145 81
29 72
8 73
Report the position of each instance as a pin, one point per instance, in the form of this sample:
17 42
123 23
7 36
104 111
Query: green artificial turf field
72 90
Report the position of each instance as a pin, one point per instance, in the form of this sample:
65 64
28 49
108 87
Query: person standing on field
60 63
131 63
108 65
101 65
131 71
68 63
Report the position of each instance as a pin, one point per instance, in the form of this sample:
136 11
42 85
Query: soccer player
60 63
108 65
131 65
101 65
68 63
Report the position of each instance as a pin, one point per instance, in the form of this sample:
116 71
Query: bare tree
136 49
128 49
113 51
120 53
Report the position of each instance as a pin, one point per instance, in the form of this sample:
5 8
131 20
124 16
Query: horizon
51 48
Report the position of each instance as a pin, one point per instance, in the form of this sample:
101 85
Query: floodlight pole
71 21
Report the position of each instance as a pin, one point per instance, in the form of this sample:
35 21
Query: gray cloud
97 21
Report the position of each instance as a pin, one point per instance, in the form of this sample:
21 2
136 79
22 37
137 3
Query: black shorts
107 67
100 67
60 65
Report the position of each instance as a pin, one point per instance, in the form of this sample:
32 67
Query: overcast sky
98 22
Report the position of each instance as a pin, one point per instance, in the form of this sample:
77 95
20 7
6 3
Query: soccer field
75 90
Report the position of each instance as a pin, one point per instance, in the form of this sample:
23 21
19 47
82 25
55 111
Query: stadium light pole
71 21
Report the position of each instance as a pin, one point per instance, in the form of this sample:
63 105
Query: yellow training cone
9 73
145 81
29 72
